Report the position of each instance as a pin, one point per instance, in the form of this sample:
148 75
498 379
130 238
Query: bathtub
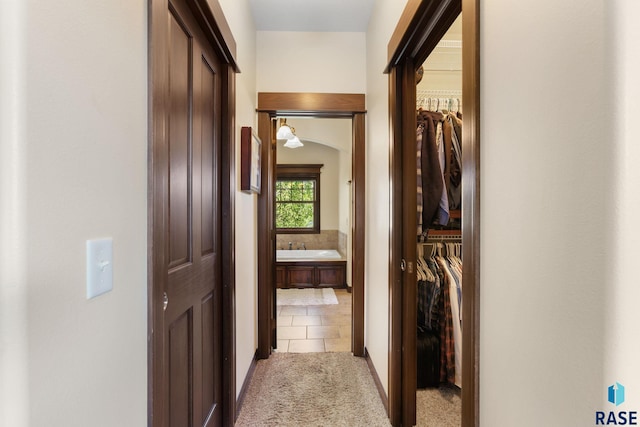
307 255
312 268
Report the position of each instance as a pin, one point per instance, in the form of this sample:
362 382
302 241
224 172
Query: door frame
420 28
211 18
321 105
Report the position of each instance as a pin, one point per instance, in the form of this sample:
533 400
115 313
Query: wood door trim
228 188
409 248
414 38
211 17
271 105
157 247
420 29
358 230
314 104
402 31
395 250
216 29
266 240
471 144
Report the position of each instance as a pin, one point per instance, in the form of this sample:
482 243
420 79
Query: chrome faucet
290 245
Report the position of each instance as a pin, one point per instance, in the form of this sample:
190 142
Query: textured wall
78 171
240 19
548 211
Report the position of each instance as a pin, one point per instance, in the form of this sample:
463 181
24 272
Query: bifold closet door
192 313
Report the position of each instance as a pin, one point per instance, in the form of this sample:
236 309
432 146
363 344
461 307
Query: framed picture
249 161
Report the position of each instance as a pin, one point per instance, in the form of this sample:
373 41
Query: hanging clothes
429 289
419 133
439 168
442 214
447 129
439 278
455 318
430 168
454 181
439 309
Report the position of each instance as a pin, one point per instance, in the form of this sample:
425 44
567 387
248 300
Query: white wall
313 153
335 133
315 62
381 25
621 311
14 351
76 165
344 191
345 208
443 67
550 215
240 21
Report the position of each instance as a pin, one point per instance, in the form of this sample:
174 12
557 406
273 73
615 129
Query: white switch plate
99 267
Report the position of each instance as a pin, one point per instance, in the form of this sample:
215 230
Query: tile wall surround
342 242
327 239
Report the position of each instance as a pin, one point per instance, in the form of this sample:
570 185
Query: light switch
99 267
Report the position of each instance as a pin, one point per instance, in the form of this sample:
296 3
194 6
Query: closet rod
451 44
443 69
424 93
451 235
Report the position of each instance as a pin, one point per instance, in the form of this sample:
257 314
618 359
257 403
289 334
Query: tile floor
315 328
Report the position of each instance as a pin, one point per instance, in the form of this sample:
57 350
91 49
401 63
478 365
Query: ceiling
312 15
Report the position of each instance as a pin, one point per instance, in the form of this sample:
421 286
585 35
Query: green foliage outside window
295 201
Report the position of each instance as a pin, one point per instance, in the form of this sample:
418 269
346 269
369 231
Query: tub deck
308 255
320 268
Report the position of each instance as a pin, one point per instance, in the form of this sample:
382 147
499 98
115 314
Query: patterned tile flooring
315 328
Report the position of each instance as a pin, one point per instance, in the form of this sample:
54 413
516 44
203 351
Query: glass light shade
293 142
284 132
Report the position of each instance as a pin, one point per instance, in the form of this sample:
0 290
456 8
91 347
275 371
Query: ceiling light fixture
293 142
287 132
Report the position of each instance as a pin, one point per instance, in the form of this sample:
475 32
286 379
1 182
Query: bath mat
306 297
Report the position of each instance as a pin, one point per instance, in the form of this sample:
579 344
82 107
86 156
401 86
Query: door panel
208 353
193 313
180 374
207 165
409 246
179 128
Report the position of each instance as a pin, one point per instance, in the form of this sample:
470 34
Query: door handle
404 266
165 301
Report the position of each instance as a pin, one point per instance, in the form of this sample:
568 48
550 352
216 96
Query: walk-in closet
433 67
438 235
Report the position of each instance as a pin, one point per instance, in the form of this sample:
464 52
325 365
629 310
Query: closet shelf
436 233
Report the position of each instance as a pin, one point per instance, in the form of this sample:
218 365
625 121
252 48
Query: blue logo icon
616 394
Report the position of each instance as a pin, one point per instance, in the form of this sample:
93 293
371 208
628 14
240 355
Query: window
298 199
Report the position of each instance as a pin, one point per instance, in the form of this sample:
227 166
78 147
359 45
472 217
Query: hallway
312 378
75 119
312 389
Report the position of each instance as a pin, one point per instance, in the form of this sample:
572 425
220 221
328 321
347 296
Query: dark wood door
192 316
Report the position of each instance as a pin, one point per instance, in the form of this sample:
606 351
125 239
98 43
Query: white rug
325 296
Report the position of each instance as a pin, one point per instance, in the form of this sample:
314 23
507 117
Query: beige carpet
325 296
312 390
439 407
